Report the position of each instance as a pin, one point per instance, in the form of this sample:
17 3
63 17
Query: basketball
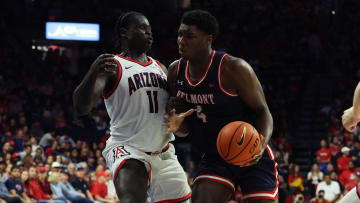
238 142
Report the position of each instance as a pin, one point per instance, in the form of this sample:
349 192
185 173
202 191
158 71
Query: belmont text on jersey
196 98
145 79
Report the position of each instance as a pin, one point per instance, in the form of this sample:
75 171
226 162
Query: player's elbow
79 108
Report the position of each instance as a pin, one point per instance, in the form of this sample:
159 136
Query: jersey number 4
153 101
200 114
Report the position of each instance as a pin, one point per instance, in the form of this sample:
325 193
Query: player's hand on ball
257 157
173 120
350 120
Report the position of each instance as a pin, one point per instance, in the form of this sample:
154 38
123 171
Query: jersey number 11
153 101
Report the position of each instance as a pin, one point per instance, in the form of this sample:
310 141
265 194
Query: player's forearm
83 95
356 101
264 124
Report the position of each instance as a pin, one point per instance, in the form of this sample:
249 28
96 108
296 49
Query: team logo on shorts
120 151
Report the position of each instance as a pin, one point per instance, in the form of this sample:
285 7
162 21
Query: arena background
305 53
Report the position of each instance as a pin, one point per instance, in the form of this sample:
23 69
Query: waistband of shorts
164 149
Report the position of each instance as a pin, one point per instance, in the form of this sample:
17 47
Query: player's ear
123 33
209 39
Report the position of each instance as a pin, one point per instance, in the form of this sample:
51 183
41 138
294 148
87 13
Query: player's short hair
203 20
124 21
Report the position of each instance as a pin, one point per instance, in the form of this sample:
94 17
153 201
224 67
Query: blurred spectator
99 188
54 180
56 166
329 168
24 178
26 156
283 189
44 183
348 175
46 139
35 190
330 187
299 198
320 197
353 184
324 152
71 170
314 177
344 160
283 163
4 192
335 146
79 183
69 191
15 185
111 187
355 153
39 156
295 180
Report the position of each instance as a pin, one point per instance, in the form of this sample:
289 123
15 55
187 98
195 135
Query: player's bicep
248 86
171 77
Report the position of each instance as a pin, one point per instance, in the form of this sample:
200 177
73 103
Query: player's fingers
173 111
168 131
188 113
166 117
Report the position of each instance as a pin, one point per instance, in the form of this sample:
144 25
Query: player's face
191 41
139 34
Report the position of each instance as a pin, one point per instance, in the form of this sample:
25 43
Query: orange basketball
238 142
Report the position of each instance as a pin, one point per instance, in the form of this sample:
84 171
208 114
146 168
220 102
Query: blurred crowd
44 149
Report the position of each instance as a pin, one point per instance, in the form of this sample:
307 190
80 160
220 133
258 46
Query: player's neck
199 64
136 56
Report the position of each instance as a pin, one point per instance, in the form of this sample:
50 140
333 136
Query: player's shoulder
161 65
232 64
174 64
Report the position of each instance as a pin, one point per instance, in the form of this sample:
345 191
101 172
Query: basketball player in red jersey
134 87
350 119
220 88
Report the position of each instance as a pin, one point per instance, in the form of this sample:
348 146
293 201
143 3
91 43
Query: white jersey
136 106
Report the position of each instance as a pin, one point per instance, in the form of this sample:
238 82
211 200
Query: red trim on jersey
265 194
136 61
117 80
219 78
149 173
166 147
358 190
187 76
215 178
118 169
176 200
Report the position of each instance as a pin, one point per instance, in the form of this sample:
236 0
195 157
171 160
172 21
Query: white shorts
167 179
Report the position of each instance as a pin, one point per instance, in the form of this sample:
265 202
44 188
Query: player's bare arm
175 122
101 76
238 77
351 116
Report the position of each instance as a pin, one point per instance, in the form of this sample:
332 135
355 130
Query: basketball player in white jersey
350 119
133 85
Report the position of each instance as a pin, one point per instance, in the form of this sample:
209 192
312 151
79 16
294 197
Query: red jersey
342 163
325 154
98 189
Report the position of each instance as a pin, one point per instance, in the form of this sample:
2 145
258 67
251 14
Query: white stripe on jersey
137 106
